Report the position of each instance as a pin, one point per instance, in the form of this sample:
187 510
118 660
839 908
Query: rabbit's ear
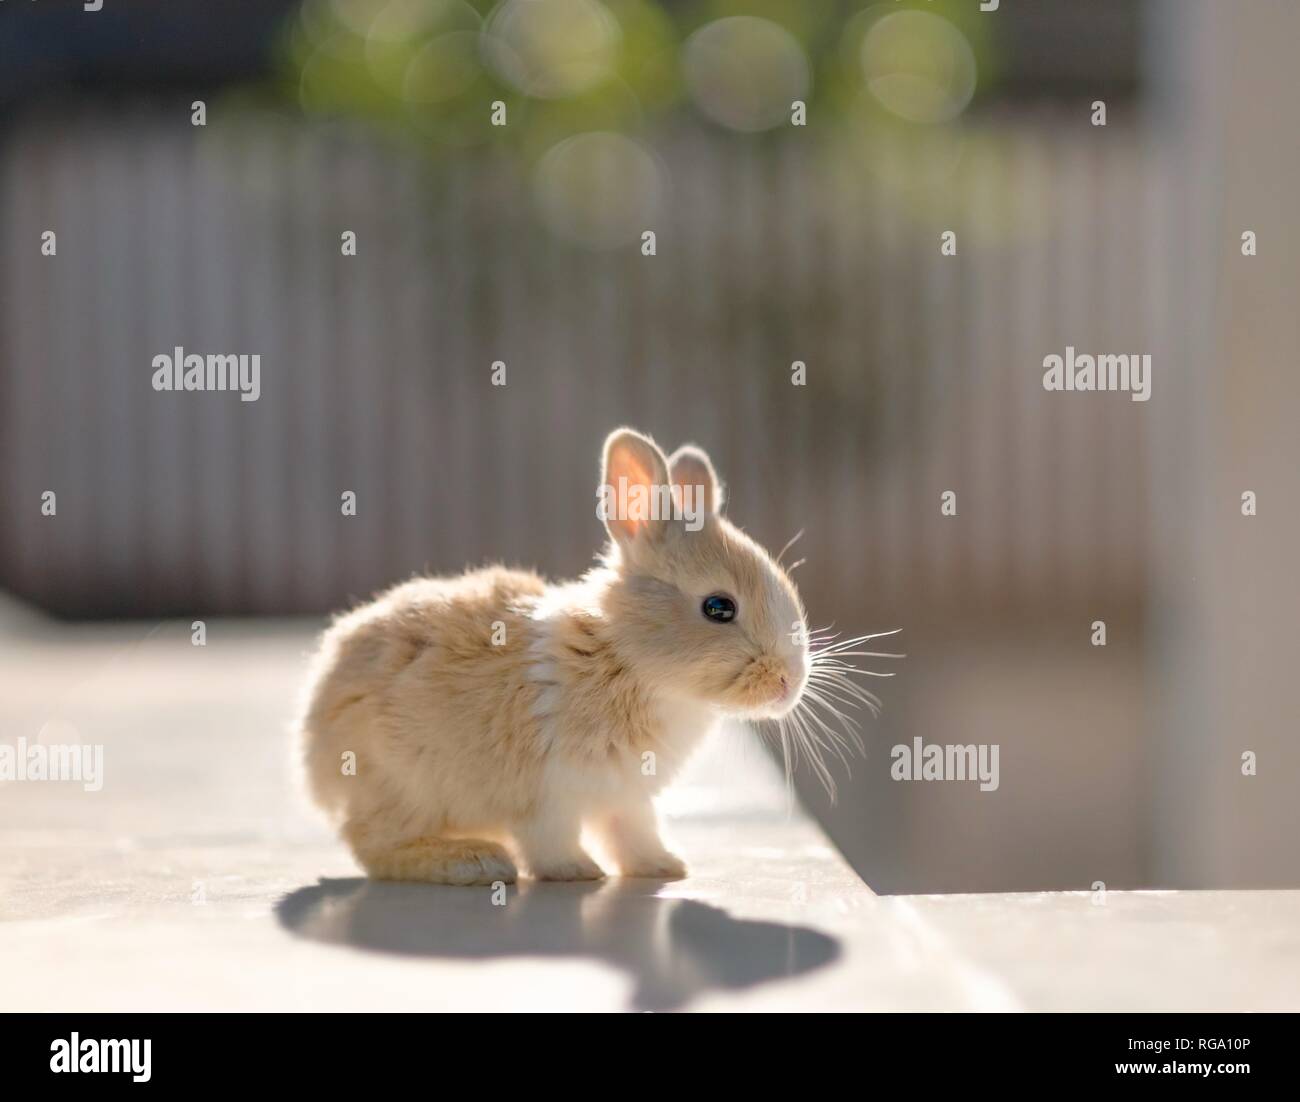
690 468
635 490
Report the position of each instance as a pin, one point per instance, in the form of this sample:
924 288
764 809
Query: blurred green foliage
430 70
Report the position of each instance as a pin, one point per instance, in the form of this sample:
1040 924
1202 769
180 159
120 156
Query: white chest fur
683 725
616 780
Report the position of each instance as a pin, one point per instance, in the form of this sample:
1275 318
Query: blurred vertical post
1226 605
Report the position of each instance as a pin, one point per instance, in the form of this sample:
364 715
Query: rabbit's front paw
580 867
661 866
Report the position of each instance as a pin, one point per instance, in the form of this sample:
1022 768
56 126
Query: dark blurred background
774 243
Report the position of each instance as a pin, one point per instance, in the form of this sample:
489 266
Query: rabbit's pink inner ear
635 476
690 467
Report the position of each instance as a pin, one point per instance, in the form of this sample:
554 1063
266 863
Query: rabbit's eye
719 608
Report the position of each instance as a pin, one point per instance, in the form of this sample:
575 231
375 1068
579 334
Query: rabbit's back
421 704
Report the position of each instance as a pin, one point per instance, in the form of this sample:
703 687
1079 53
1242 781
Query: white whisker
792 541
856 654
807 733
864 673
854 695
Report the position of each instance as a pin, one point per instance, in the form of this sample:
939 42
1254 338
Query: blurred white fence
924 371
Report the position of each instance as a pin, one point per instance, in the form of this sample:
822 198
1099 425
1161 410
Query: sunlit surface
195 880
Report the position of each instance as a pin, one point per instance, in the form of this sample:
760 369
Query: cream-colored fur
455 726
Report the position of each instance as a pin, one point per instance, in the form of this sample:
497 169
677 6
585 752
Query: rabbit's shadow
674 948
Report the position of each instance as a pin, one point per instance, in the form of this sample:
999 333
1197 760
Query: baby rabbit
492 717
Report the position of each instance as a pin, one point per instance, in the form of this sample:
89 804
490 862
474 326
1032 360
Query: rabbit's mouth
784 696
771 691
784 701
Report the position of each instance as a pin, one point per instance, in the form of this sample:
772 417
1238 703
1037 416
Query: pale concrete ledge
98 890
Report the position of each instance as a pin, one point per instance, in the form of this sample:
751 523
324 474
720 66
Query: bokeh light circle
744 72
918 66
552 48
599 189
442 69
